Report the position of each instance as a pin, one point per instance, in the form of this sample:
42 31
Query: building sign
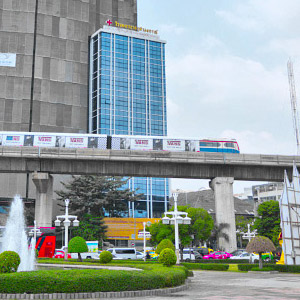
8 60
131 27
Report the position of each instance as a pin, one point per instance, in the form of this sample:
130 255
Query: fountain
15 238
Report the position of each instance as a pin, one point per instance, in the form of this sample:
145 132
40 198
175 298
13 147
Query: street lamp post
66 218
175 220
34 232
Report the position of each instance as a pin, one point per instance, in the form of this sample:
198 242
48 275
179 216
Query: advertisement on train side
13 140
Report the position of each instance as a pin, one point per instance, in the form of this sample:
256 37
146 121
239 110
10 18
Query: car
245 255
140 255
188 255
124 253
217 255
197 255
152 254
238 252
204 250
60 254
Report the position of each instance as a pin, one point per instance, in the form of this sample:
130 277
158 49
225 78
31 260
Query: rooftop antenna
293 102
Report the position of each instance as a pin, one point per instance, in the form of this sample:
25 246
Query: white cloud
165 29
213 93
260 15
260 142
287 46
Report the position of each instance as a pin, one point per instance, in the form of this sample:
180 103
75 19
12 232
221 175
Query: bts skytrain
117 142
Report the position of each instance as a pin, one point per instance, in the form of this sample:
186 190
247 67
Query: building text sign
8 60
131 27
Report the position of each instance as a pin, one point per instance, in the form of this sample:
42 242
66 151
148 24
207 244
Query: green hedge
221 261
280 268
206 266
81 281
247 267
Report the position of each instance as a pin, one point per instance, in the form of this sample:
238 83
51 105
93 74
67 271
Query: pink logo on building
109 22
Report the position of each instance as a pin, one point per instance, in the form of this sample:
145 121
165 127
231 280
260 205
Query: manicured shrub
105 257
246 267
264 269
82 281
167 257
77 245
280 268
166 243
206 266
9 262
260 244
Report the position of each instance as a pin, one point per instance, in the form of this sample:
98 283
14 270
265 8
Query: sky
226 65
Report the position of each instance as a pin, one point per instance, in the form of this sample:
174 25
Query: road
213 285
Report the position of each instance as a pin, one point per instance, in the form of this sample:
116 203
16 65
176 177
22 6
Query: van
123 253
188 255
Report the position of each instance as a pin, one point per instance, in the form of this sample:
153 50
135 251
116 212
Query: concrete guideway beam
224 205
146 163
44 199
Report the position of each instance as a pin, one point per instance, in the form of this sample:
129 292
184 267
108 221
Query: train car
49 139
160 143
225 146
117 142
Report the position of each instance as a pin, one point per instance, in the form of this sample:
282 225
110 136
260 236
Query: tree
268 221
260 244
97 196
166 243
77 245
199 229
90 228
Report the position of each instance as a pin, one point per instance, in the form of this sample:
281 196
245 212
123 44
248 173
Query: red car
60 254
217 255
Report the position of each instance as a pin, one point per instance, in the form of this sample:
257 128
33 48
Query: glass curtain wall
128 97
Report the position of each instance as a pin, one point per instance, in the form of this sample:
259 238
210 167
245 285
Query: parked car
246 255
188 255
140 255
238 252
60 254
217 255
86 255
123 253
204 251
197 254
153 254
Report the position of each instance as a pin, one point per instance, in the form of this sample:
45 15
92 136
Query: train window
229 145
210 144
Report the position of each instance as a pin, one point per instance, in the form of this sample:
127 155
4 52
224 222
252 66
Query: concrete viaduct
221 168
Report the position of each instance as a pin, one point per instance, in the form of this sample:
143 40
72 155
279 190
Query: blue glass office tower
127 96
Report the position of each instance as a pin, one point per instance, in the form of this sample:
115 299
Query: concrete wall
61 65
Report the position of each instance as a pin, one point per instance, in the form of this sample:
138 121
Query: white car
140 255
246 255
188 255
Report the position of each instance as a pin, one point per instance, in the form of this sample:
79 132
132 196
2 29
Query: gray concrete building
44 67
57 91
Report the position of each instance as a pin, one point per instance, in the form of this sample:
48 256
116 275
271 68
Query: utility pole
294 102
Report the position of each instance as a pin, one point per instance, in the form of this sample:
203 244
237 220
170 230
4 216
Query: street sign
141 234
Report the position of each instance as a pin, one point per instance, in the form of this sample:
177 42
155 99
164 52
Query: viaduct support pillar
222 187
43 203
